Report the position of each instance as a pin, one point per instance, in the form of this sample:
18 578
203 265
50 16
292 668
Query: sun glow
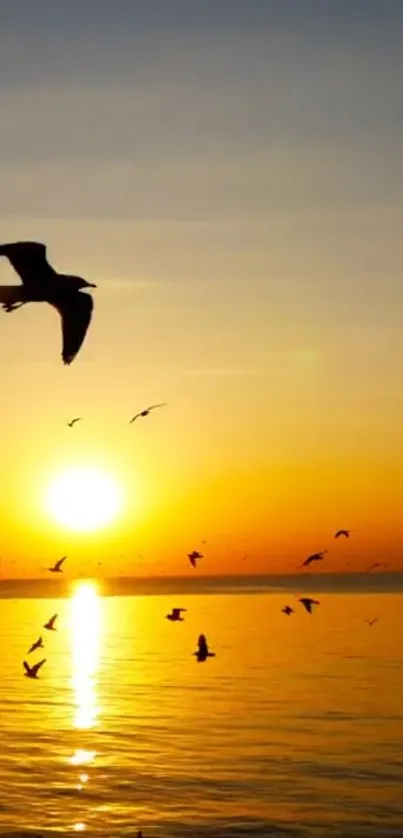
86 629
84 499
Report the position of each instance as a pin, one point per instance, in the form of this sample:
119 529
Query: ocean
295 728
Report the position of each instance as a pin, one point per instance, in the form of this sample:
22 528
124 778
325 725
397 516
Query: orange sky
244 231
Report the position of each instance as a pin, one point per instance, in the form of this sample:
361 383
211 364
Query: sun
84 499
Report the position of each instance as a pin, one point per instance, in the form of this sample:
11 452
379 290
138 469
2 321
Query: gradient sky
230 175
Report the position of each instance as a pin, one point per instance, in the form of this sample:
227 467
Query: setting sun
84 499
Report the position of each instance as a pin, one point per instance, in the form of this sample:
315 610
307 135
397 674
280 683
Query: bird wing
153 406
38 665
136 416
26 667
76 314
60 562
27 258
51 622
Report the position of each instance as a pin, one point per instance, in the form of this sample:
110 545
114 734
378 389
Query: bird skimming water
175 615
194 556
32 671
57 567
203 651
307 602
315 557
42 284
50 625
37 645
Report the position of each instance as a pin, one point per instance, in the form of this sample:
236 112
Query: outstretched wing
37 666
60 562
153 406
76 316
51 622
26 667
28 259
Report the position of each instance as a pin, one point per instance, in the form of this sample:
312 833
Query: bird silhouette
73 421
175 615
57 567
42 284
146 411
50 625
315 557
194 556
372 622
203 651
32 671
37 645
346 533
287 610
307 602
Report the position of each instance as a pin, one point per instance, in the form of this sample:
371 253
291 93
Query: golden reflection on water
86 636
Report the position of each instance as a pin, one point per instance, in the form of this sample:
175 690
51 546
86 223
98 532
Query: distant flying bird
371 622
287 610
315 557
346 533
377 564
175 615
73 421
42 284
57 567
37 645
307 602
194 556
203 651
50 625
146 411
32 671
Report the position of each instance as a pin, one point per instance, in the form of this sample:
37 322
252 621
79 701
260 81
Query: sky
230 176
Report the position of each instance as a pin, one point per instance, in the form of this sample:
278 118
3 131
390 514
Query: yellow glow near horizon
86 630
84 499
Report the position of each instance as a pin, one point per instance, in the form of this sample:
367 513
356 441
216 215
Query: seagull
371 622
32 671
57 567
287 610
308 603
315 557
73 421
42 284
37 645
50 625
175 615
203 651
346 533
146 411
193 556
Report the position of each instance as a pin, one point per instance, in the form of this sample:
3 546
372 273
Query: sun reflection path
85 635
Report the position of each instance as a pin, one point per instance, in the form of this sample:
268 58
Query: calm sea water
294 729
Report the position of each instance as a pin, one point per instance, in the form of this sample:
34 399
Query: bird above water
146 411
50 625
57 567
175 615
287 610
42 284
73 421
346 533
307 602
315 557
37 645
32 671
372 622
194 556
203 651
